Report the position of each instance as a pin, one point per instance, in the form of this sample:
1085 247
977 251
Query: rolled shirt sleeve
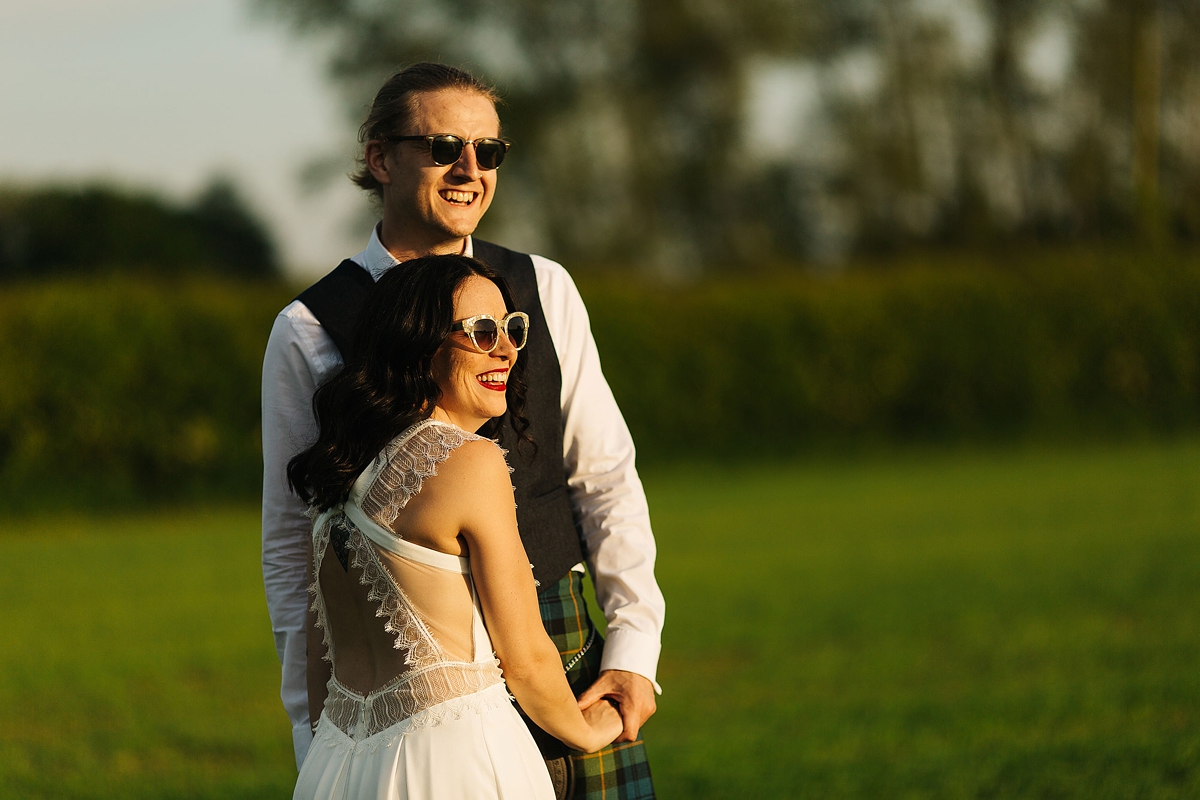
605 489
299 357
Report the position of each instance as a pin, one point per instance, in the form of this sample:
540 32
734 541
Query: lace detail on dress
405 464
420 699
400 620
433 685
344 714
419 693
320 542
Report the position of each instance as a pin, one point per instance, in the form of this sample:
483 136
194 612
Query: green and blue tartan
618 772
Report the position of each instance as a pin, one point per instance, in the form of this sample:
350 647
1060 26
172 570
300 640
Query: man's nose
467 167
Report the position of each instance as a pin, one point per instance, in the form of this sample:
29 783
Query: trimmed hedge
1082 347
117 392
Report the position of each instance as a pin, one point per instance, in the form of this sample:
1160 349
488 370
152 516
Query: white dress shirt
598 453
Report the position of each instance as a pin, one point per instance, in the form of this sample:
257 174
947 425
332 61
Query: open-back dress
436 720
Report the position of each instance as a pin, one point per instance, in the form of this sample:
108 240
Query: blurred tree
1142 66
99 228
968 123
1146 68
626 114
234 239
1012 120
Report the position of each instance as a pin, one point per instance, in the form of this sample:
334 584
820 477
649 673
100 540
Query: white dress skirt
441 724
480 752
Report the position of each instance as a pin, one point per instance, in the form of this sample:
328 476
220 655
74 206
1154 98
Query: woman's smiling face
473 383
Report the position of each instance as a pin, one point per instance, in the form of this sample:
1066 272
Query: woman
415 548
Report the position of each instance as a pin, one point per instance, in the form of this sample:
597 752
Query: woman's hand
605 722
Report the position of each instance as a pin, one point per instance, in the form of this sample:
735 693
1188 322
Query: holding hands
605 721
632 694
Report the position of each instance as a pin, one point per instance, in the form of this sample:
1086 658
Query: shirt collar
377 259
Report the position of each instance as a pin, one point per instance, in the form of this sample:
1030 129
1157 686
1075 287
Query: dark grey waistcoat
547 524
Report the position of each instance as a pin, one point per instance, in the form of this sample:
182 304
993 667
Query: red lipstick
495 386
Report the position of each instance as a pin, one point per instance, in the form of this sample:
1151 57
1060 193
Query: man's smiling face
435 205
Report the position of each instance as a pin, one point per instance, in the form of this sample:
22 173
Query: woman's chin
494 410
477 421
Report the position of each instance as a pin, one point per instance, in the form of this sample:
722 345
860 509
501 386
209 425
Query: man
431 148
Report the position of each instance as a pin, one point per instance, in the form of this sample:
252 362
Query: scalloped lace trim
431 680
433 687
420 699
407 462
400 620
320 543
334 735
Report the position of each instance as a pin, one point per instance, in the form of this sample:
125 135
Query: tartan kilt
617 772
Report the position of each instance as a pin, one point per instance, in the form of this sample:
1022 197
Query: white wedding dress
436 722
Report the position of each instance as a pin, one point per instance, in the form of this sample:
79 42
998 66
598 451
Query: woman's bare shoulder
470 491
479 456
478 467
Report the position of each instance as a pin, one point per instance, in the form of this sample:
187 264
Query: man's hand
633 693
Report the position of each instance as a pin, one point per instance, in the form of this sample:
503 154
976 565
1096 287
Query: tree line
49 230
925 122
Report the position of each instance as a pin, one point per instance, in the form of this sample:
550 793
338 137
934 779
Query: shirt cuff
632 651
301 740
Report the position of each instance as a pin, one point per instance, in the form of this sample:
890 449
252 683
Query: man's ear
375 155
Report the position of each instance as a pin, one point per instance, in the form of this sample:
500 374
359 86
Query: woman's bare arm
531 663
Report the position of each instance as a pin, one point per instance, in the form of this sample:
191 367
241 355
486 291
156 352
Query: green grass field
1017 624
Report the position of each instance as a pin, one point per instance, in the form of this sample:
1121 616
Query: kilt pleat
617 772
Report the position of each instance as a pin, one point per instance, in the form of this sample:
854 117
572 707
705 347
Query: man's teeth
494 377
459 197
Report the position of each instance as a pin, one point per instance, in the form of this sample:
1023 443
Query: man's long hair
387 384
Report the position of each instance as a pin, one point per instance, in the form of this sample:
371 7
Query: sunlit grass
138 660
1018 624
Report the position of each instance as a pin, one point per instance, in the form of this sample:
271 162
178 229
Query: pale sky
163 94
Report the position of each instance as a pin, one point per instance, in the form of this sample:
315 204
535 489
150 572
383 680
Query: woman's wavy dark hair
386 384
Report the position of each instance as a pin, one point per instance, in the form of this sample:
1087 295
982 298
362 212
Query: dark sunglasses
484 331
446 148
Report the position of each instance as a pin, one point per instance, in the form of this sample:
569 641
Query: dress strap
394 544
